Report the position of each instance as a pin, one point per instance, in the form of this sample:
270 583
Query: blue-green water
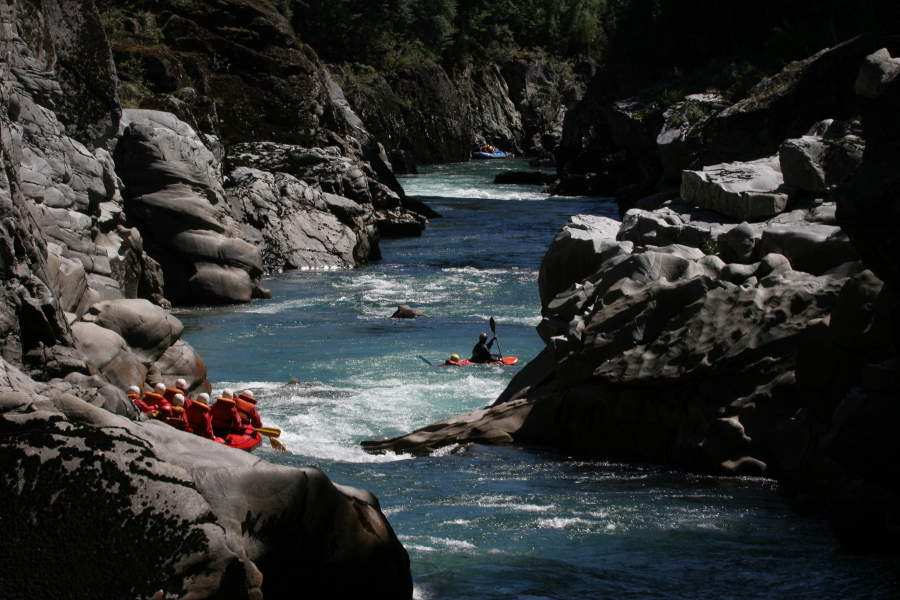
506 522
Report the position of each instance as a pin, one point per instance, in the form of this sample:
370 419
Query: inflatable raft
485 155
243 441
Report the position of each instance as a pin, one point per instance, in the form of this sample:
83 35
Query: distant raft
479 155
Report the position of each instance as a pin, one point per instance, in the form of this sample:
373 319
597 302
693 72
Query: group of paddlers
232 413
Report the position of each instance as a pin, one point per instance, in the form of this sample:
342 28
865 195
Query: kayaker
453 360
481 353
246 407
225 417
198 417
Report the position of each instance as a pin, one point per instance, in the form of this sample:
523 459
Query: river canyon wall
110 214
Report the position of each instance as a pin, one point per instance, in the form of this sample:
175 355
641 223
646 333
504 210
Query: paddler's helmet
160 388
204 398
133 389
228 394
178 400
454 357
483 336
181 384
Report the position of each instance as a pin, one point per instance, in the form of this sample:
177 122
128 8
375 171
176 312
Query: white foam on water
272 307
562 522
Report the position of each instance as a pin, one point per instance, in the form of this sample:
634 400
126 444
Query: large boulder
747 191
174 193
175 514
823 158
577 251
296 225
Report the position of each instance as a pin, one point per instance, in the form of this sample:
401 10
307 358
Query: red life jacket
177 418
225 418
170 392
199 420
246 407
153 401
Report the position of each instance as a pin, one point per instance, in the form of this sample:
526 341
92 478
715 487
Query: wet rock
404 311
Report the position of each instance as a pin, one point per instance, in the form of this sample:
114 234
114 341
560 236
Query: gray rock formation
174 193
125 509
823 158
748 191
296 225
156 510
680 142
374 209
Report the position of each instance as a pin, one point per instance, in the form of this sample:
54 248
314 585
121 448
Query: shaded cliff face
251 78
424 115
83 477
631 146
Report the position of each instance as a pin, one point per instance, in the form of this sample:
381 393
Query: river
507 522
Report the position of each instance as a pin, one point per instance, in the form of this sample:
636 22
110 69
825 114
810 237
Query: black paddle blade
426 361
493 326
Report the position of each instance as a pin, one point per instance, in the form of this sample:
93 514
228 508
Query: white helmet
178 400
181 384
248 393
160 387
203 397
227 394
134 389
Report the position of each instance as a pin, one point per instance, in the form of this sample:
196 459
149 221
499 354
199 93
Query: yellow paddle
272 433
269 431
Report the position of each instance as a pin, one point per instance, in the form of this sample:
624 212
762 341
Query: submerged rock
404 311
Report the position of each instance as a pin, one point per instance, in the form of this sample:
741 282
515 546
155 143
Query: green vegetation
385 33
725 44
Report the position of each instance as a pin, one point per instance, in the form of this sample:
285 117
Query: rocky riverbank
109 216
745 324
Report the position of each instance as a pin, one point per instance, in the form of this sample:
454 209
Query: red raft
506 361
243 441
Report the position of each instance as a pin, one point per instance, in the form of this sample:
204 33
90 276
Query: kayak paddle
427 362
494 331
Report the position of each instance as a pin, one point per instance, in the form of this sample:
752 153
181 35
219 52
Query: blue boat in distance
495 154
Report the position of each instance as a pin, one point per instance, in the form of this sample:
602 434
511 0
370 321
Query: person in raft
225 417
152 402
180 388
246 407
481 353
198 417
177 417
